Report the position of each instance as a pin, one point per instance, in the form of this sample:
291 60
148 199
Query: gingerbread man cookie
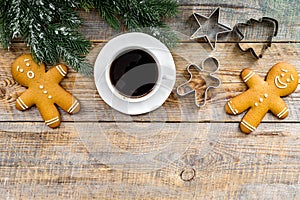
43 90
263 96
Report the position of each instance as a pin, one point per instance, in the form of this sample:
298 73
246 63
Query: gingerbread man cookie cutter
201 80
268 33
264 95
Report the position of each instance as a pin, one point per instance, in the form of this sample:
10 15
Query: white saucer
164 85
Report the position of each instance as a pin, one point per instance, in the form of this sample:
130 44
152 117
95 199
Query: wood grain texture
39 163
232 12
175 152
176 108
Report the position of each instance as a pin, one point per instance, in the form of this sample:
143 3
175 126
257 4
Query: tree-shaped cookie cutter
201 80
271 23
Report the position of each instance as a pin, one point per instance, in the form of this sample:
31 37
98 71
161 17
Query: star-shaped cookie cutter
201 80
273 24
210 28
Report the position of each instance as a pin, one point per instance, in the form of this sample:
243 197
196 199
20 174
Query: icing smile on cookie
279 83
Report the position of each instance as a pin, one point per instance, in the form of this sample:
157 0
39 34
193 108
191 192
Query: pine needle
51 27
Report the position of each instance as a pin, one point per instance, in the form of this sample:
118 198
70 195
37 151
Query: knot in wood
2 93
188 174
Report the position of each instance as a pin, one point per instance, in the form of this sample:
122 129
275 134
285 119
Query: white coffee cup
147 94
166 73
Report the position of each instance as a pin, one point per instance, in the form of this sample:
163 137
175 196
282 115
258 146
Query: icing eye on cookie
288 80
292 77
20 69
27 62
30 74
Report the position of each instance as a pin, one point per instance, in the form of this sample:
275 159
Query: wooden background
175 152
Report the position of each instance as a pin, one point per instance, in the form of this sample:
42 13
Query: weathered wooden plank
175 109
232 59
216 161
150 156
232 12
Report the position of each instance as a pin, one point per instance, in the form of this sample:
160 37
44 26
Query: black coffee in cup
134 73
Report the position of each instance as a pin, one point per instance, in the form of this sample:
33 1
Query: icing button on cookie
30 74
256 104
266 95
45 91
49 97
261 100
41 86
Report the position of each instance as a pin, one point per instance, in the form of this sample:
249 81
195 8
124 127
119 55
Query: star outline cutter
215 13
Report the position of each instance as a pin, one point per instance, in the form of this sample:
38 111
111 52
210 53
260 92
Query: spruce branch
138 15
164 34
134 13
49 27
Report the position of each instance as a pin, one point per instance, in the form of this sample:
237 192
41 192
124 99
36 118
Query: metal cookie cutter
201 80
268 29
210 27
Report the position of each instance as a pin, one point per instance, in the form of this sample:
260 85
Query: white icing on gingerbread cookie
283 112
52 121
248 126
249 76
292 77
61 70
21 103
73 107
232 110
279 83
30 74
